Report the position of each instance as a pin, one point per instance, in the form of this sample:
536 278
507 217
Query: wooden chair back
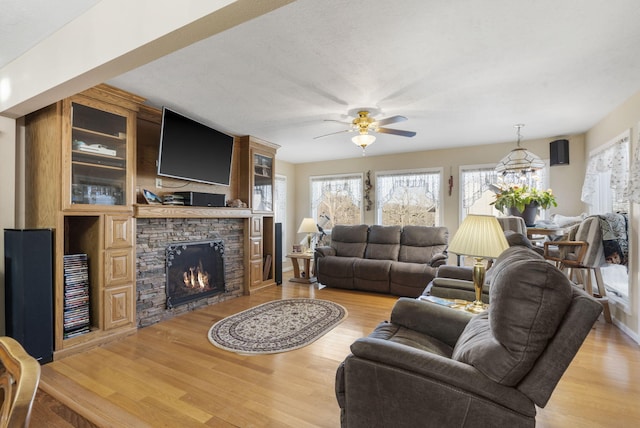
19 378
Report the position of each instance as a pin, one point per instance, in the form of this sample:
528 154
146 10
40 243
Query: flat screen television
192 151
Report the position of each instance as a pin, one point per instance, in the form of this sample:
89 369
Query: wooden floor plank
169 374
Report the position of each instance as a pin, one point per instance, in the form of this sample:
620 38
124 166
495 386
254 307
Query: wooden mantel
172 211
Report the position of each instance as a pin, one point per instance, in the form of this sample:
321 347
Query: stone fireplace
194 270
155 235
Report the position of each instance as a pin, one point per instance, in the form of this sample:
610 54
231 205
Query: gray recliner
433 366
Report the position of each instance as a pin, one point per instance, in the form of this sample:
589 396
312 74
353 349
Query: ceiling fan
363 124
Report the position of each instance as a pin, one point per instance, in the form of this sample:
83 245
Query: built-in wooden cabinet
80 180
256 187
80 171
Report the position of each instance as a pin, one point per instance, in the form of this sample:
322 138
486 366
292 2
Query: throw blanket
614 238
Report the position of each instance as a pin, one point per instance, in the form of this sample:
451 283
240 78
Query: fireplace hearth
194 270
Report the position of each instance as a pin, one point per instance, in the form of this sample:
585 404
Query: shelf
172 211
120 138
97 165
96 155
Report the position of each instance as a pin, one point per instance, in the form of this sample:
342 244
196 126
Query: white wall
7 194
565 180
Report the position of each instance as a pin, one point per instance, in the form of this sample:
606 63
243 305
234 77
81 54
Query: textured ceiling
463 72
24 23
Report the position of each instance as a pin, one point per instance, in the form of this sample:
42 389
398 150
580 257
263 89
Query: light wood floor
169 375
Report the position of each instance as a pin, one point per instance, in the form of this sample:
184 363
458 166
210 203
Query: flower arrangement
520 196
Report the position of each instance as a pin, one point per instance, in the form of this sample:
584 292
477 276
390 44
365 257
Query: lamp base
476 307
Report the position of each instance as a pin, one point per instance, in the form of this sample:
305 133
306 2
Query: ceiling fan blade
396 132
392 119
333 133
338 121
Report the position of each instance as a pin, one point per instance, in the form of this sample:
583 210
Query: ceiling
463 72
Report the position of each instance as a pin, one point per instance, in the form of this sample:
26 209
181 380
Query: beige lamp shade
308 225
479 236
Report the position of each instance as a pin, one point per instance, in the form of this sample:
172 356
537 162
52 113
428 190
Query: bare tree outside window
336 200
408 198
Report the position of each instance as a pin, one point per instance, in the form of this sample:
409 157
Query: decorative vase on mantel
529 214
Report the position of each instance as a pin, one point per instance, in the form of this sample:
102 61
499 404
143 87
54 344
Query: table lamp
480 237
309 227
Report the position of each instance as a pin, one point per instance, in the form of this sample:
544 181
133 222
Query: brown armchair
582 252
434 366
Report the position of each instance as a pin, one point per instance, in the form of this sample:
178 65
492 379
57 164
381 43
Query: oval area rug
276 326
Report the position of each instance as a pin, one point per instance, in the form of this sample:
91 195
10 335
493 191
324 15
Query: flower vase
529 214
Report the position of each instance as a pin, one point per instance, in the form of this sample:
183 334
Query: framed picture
150 197
297 249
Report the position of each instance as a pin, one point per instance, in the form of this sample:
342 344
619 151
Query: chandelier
519 160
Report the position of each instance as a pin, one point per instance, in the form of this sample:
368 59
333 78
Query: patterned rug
276 326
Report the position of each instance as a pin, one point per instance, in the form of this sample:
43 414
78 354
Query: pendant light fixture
519 160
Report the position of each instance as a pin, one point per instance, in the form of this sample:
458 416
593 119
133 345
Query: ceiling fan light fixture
519 160
363 140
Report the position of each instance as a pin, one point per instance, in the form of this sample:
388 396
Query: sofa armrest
325 251
440 322
452 374
455 272
438 260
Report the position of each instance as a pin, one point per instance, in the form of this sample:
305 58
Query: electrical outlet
159 183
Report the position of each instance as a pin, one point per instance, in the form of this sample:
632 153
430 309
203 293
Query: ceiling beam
110 39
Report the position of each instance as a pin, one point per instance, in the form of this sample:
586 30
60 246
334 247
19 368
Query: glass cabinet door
98 156
262 183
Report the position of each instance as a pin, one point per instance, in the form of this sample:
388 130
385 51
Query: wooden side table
295 257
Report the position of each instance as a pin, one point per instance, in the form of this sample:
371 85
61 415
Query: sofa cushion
349 241
418 244
384 243
337 271
371 275
410 279
528 301
413 338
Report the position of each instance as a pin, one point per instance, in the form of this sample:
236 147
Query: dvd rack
76 320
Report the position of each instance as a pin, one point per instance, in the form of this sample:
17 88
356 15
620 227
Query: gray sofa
383 259
456 282
433 366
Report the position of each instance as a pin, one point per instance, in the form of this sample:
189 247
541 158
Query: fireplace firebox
194 270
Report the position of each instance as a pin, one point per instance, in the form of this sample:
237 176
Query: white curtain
633 191
428 183
280 208
475 182
614 162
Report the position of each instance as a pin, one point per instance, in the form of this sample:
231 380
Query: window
479 183
280 209
606 181
336 199
408 197
606 189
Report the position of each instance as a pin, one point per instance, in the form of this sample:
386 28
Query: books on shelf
76 317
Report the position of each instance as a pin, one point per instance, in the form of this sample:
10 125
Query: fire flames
196 277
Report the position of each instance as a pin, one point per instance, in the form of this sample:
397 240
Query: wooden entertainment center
87 159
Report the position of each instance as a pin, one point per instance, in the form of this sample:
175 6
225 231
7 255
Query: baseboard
626 330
